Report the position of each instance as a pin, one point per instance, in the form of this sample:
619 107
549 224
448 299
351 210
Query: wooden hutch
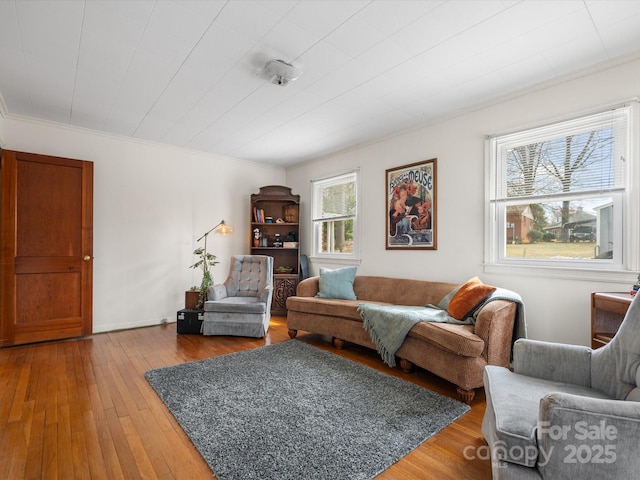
275 231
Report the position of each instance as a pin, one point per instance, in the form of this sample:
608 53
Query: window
559 195
335 214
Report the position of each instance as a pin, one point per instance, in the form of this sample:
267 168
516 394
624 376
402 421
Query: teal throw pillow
337 283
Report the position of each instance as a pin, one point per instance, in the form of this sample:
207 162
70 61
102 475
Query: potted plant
206 261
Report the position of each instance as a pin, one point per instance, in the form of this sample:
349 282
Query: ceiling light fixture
281 73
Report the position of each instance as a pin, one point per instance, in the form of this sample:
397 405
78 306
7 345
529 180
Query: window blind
581 156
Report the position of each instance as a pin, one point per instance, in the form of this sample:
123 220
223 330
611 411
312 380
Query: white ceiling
185 73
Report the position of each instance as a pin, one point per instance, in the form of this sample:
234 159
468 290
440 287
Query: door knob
86 258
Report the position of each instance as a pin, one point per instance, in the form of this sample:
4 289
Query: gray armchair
242 304
567 412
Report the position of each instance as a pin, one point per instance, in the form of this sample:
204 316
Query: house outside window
335 216
560 195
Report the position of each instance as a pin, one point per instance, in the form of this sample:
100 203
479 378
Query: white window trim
337 258
630 217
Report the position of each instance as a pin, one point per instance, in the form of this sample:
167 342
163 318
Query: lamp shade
223 229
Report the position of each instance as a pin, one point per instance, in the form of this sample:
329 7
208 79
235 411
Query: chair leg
293 333
466 395
338 343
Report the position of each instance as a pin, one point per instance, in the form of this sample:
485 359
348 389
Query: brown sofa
457 353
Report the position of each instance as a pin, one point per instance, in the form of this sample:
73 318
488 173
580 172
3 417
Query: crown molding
124 138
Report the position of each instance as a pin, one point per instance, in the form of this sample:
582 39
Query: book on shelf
258 215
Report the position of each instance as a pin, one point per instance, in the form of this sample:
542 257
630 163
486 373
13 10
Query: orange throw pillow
468 297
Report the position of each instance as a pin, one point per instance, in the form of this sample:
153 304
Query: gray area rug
294 411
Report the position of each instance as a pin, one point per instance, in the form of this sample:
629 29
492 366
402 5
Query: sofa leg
338 343
293 333
405 365
466 395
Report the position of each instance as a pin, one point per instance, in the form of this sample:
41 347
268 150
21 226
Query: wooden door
46 250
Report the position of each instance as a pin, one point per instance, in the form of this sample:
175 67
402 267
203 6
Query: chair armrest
584 437
557 362
216 292
308 287
494 324
264 295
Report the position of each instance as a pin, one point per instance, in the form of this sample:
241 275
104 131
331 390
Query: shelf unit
607 312
282 207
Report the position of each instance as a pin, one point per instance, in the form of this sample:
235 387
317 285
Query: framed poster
411 206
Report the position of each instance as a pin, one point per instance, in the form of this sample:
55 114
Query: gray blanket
520 327
388 325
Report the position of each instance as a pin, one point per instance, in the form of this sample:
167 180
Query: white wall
557 310
151 204
1 124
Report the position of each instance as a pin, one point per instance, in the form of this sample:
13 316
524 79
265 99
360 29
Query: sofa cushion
337 283
513 403
236 305
327 306
457 339
468 297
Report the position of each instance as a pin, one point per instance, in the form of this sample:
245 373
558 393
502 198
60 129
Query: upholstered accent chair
241 305
567 411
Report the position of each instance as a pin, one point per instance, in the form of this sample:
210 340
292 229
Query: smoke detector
281 73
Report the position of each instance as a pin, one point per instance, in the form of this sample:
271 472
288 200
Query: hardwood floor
82 409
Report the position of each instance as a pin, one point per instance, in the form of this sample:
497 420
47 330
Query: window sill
565 273
335 260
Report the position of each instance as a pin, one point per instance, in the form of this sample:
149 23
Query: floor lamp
221 229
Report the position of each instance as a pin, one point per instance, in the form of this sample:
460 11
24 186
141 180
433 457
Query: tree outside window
558 192
334 216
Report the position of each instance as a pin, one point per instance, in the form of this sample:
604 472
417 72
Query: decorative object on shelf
411 206
277 243
208 260
257 235
284 269
290 213
636 286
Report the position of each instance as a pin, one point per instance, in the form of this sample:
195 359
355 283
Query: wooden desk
607 312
